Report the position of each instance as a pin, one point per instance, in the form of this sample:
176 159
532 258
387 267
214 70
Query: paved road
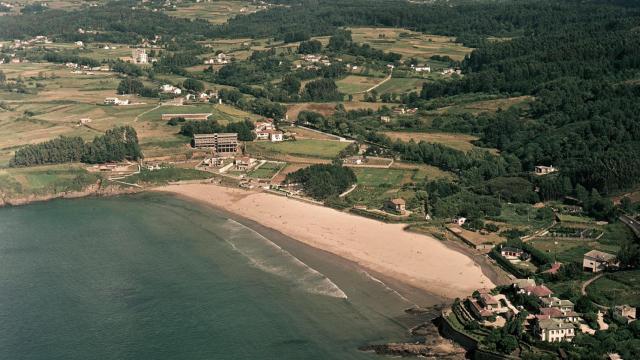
631 223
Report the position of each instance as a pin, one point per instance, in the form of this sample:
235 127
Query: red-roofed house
538 290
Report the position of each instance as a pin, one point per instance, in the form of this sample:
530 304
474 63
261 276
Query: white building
275 136
170 89
553 330
139 56
116 101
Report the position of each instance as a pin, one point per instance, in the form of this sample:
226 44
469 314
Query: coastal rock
442 350
93 190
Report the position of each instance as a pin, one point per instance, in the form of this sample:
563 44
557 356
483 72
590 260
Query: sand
417 260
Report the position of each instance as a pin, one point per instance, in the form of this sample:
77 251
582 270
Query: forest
322 181
116 144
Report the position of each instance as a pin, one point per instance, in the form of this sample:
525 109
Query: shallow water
156 277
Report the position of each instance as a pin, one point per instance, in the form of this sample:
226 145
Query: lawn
267 170
45 179
617 289
312 148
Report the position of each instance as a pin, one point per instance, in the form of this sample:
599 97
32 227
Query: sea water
156 277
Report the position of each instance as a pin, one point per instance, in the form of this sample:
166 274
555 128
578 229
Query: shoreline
411 295
386 251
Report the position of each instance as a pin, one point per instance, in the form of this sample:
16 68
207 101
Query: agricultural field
620 288
422 171
216 12
400 85
463 105
382 177
409 43
354 84
462 142
306 148
327 109
302 133
40 180
571 250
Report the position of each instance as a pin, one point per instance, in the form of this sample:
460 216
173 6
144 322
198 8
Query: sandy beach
417 260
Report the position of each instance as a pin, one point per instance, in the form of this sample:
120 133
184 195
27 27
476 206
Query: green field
222 114
400 85
379 177
311 148
166 175
49 179
353 84
267 170
571 250
574 219
409 43
618 288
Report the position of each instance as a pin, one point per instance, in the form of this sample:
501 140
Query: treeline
470 21
61 58
322 181
191 127
116 144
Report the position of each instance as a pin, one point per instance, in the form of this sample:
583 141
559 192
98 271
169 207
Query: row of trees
116 144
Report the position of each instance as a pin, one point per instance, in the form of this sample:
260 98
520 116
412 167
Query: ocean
153 276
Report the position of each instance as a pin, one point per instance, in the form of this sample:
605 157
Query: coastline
386 251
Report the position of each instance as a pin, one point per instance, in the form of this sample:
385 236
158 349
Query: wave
269 257
393 291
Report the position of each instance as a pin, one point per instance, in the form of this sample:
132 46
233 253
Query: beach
417 260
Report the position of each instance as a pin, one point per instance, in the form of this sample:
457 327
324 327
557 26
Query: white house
116 101
170 89
275 136
422 69
79 43
459 220
554 330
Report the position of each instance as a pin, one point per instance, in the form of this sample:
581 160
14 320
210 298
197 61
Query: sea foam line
375 279
310 279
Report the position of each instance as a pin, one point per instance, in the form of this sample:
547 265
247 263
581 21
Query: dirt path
144 112
583 290
378 84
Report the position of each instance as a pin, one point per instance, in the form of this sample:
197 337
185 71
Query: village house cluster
554 320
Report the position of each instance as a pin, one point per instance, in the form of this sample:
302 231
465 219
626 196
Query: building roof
488 299
198 136
523 283
600 255
554 301
511 249
397 201
553 269
538 290
482 311
554 324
